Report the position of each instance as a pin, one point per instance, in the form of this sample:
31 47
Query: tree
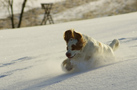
9 5
22 11
10 2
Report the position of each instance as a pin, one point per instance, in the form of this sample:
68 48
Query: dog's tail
115 44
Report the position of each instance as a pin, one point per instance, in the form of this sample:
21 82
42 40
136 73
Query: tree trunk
22 11
12 14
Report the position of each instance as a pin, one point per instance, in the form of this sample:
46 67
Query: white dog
82 50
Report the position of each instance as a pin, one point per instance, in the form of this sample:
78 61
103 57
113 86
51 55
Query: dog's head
75 43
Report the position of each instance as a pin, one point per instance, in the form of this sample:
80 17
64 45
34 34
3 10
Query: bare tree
10 2
22 11
9 5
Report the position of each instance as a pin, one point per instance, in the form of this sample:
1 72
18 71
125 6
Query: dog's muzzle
69 55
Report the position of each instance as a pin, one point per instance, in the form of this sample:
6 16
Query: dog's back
97 47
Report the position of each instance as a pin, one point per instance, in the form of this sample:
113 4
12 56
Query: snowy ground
30 58
98 8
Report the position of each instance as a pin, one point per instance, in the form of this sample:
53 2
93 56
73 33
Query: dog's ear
78 36
68 34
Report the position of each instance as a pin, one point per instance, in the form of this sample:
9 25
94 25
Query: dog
82 50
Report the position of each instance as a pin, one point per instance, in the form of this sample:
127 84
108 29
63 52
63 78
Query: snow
30 58
99 7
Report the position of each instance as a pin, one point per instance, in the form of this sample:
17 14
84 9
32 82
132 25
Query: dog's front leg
67 66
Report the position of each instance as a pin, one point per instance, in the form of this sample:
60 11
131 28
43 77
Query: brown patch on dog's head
71 34
68 34
80 42
77 36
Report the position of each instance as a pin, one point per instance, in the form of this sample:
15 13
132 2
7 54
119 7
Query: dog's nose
68 55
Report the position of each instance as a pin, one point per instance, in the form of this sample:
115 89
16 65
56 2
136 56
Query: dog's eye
73 47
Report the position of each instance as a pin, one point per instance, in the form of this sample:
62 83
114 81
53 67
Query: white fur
70 43
92 55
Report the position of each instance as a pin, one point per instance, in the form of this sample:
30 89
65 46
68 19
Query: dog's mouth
71 56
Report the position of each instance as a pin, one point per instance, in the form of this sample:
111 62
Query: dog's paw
67 66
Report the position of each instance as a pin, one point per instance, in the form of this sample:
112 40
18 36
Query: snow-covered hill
94 9
30 58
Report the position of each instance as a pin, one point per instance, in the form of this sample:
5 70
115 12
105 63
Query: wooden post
47 7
